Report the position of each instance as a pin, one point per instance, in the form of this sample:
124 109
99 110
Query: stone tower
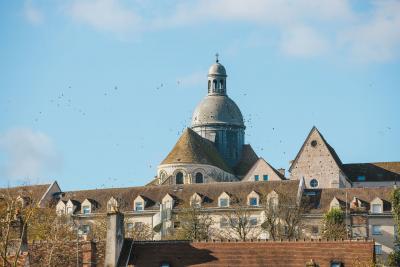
218 118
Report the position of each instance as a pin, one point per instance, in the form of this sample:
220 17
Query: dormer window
376 208
139 206
223 202
86 209
253 201
361 178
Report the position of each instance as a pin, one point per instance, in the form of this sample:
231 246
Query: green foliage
334 216
157 228
394 257
334 224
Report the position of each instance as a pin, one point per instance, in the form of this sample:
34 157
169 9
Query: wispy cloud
32 13
105 15
29 155
192 79
305 28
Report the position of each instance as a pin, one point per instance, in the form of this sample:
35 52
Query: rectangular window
69 210
223 223
265 177
86 209
378 249
253 222
376 230
256 177
253 201
223 202
129 226
177 225
138 206
336 264
361 178
85 229
314 229
376 208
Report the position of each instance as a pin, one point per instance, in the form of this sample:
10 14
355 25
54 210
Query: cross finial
216 57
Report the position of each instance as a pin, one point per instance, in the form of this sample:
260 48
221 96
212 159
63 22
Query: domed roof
217 69
217 109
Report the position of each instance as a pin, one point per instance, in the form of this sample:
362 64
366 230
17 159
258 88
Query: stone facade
318 164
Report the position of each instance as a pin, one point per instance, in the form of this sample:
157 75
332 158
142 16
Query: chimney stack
115 238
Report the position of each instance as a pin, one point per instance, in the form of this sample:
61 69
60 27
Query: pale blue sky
94 93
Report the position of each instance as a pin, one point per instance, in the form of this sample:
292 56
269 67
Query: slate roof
181 193
247 160
320 203
193 149
373 172
249 254
36 192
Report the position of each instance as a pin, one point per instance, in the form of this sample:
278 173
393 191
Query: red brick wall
355 253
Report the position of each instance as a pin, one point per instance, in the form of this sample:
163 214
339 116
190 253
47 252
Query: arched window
221 84
179 178
199 178
209 86
214 84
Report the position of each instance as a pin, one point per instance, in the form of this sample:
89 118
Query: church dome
217 109
217 69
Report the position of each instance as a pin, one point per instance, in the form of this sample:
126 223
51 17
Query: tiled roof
322 199
36 192
373 172
193 149
249 254
247 160
181 193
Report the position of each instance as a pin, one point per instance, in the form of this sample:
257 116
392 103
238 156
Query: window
85 229
361 178
253 222
199 178
138 206
70 210
179 178
165 264
253 201
214 84
223 202
314 229
314 143
376 230
265 177
376 208
378 249
336 264
129 226
256 177
177 225
209 85
223 223
86 209
314 183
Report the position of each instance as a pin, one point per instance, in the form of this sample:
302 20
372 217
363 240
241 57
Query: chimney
282 171
115 238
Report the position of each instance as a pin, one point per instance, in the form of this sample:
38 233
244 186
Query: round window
314 143
314 183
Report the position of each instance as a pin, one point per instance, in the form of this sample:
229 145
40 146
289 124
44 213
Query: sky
95 93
